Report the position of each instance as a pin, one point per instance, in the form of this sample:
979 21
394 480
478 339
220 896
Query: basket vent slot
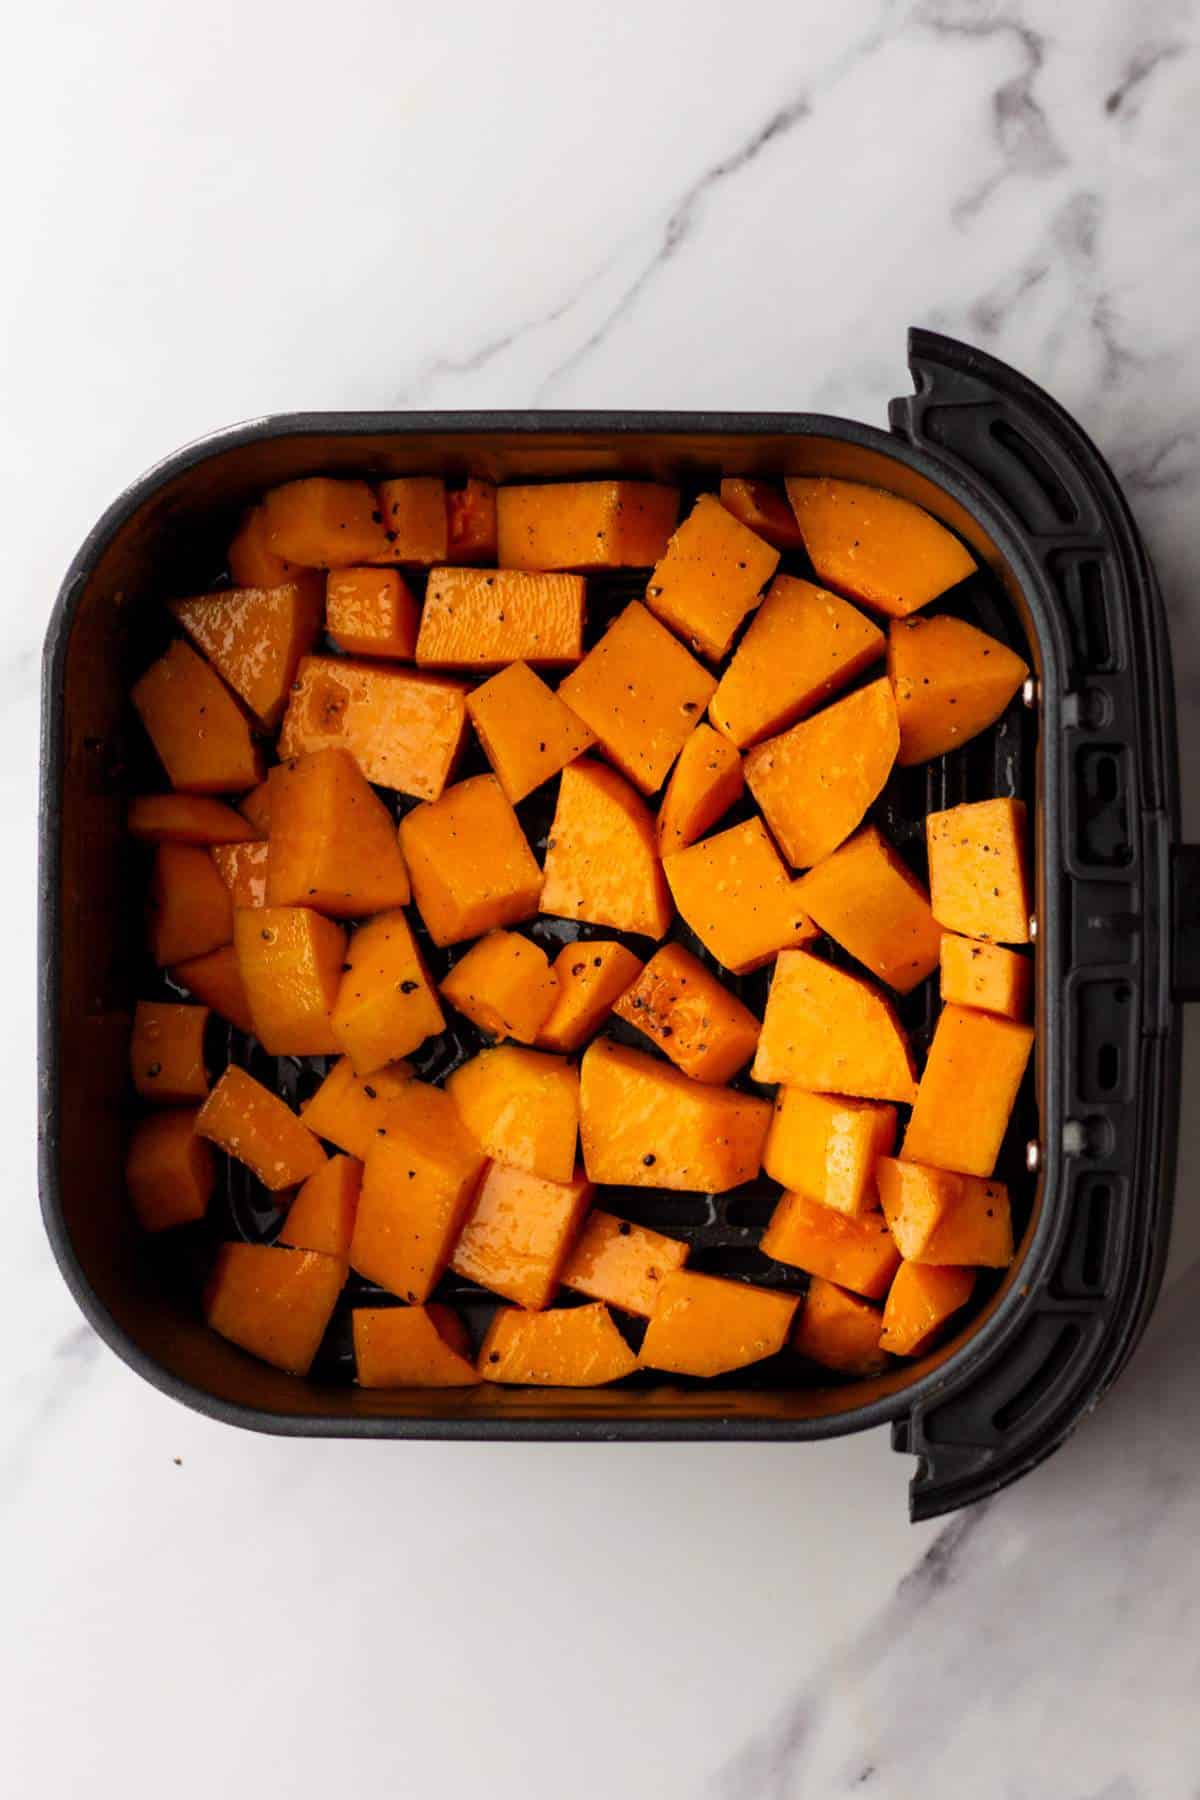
1104 1023
1023 1402
1083 1268
1080 583
1038 469
1102 811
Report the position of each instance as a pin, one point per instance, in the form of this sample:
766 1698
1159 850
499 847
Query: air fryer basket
1093 751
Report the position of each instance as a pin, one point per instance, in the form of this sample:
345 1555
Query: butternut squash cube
349 1110
951 681
967 1092
577 1346
816 780
505 985
870 902
698 1024
188 909
827 1146
371 612
705 782
333 842
166 1052
325 524
591 977
403 729
409 1346
248 1122
986 976
386 1005
321 1217
979 870
915 1199
252 563
470 866
471 527
919 1304
641 693
710 577
521 1107
833 1033
291 964
874 546
168 1170
602 862
585 524
801 647
274 1303
255 808
484 618
516 1236
854 1250
527 732
703 1325
243 869
200 734
975 1229
621 1263
185 819
255 637
421 1173
215 980
644 1124
738 898
763 510
414 520
839 1331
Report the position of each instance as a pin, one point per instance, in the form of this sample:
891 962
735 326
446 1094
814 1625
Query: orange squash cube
200 734
875 547
333 842
710 577
484 618
827 1146
591 975
951 681
168 1170
703 1325
763 510
290 960
856 1251
251 1124
414 519
577 1346
255 808
737 896
252 563
470 866
188 908
471 527
816 780
274 1303
371 612
979 870
832 1033
967 1092
521 1107
585 524
602 862
641 693
255 637
517 1234
975 1229
920 1302
410 1346
243 869
185 819
986 976
528 734
349 1110
321 1217
166 1052
915 1199
403 729
698 1024
621 1263
643 1124
839 1331
705 782
870 902
505 984
386 1005
215 980
324 524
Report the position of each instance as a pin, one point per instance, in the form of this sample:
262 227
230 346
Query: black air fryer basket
1091 746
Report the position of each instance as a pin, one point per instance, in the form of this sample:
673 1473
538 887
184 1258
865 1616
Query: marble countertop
222 211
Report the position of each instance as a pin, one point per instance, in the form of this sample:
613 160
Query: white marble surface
222 210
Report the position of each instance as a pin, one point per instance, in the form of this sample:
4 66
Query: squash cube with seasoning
602 862
832 1033
413 513
705 782
188 910
200 734
348 1109
505 985
254 637
522 1108
411 1346
705 1325
252 562
321 1217
275 1303
592 975
854 1250
471 529
248 1122
839 1330
710 577
827 1146
816 780
968 1089
385 1005
951 682
371 612
186 819
869 901
168 1170
644 1124
585 524
621 1263
739 899
576 1346
528 733
484 618
942 1218
321 523
471 869
874 546
920 1303
763 510
255 808
243 869
979 870
215 980
682 1007
333 843
166 1052
985 976
403 728
290 960
517 1234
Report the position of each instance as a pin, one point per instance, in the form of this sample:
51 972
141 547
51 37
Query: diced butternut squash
816 780
255 637
870 902
274 1303
827 1146
680 1006
252 563
705 782
874 546
621 1263
248 1122
951 682
703 1325
919 1304
505 984
979 870
986 976
833 1033
185 819
644 1124
470 866
414 519
471 528
484 618
409 1346
255 808
915 1199
333 842
585 524
404 729
421 1173
591 977
166 1052
325 524
516 1236
801 647
763 510
528 733
856 1251
967 1091
321 1217
371 612
168 1170
290 960
975 1230
839 1331
710 577
350 1110
641 693
243 869
216 981
386 1005
200 733
602 862
189 910
521 1107
576 1346
738 897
